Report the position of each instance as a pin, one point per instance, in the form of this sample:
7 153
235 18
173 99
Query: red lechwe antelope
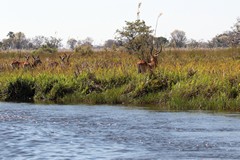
144 65
21 64
36 61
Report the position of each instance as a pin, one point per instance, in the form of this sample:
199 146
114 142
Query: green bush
53 88
45 49
21 90
84 50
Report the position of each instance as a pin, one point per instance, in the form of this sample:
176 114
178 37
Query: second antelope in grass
36 61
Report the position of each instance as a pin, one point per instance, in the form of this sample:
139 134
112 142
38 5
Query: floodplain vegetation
185 79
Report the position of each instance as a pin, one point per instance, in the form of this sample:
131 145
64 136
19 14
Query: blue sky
99 19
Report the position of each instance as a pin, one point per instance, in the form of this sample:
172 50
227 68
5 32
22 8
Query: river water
29 131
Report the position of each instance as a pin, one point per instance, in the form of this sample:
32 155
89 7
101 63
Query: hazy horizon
201 20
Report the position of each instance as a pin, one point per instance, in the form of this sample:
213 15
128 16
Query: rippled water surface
30 131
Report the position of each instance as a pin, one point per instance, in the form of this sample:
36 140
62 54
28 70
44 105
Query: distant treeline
178 39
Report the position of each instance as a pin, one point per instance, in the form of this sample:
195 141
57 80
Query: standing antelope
36 61
26 64
23 64
143 65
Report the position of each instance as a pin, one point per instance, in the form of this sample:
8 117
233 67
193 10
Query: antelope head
27 57
26 64
63 57
154 53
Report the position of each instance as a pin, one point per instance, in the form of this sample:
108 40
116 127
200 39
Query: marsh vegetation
206 79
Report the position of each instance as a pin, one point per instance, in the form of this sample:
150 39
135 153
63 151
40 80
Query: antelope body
143 65
21 64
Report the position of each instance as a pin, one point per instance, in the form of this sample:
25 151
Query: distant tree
84 49
235 37
53 42
1 45
178 39
20 41
9 42
79 42
88 41
236 27
46 45
227 39
136 37
221 40
203 44
72 43
6 44
30 45
192 43
16 41
162 40
110 43
38 41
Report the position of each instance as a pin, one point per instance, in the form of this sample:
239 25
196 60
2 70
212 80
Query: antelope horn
158 52
151 50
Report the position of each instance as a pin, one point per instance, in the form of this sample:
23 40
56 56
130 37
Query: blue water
29 131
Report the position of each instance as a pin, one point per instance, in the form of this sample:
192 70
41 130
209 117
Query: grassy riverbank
184 80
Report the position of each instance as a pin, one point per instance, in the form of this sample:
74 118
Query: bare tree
53 42
38 41
88 41
6 44
72 43
235 39
192 43
1 45
178 39
20 40
9 41
110 43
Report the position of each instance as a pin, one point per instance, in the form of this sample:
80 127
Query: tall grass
185 79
